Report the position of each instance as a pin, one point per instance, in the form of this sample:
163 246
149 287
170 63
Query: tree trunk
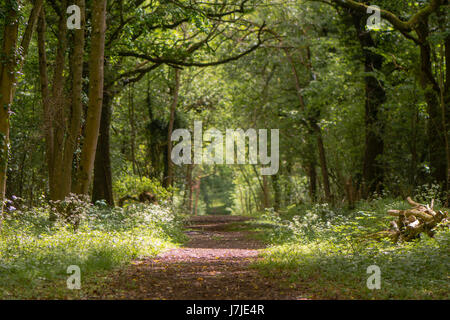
435 130
62 115
47 115
57 103
323 163
8 77
287 198
413 148
312 176
197 185
76 113
311 123
276 192
102 189
249 202
7 81
96 70
375 97
28 34
132 120
53 105
445 104
175 94
249 185
188 188
241 200
266 192
350 193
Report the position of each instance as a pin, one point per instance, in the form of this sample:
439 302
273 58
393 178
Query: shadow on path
213 264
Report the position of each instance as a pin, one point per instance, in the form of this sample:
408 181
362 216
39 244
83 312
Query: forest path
213 264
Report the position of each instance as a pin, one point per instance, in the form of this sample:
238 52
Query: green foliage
132 185
143 45
414 271
35 254
427 193
217 189
329 249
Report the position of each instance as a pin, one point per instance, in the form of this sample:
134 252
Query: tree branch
404 26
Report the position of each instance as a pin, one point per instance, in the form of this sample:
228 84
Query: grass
35 255
322 250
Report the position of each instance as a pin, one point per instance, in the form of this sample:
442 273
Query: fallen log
412 222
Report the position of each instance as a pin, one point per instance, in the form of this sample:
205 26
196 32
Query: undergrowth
326 252
35 253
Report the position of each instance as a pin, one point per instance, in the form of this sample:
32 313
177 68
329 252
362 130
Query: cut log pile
412 222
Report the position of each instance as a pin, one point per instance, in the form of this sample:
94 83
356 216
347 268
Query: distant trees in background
359 111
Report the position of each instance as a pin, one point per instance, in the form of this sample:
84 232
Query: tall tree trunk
175 95
62 115
287 171
76 112
276 192
246 198
96 79
446 111
241 200
188 188
28 34
102 189
191 189
8 76
312 176
197 185
311 123
58 102
47 114
165 166
444 86
435 129
419 23
7 81
249 185
53 105
413 147
265 202
350 193
375 97
132 120
266 192
323 162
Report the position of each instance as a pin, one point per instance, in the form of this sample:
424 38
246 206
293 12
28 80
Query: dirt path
213 264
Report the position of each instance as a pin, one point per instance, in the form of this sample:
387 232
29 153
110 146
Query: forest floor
216 263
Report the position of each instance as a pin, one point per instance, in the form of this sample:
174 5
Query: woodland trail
215 264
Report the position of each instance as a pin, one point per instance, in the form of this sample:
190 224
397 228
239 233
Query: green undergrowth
35 254
326 252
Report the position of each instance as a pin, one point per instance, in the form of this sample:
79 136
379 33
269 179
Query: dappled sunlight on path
214 264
